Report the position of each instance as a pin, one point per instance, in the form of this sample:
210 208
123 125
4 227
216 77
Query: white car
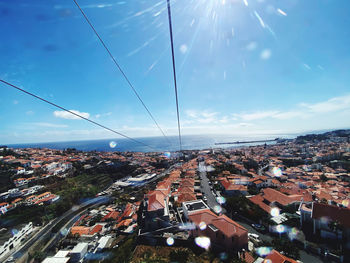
254 238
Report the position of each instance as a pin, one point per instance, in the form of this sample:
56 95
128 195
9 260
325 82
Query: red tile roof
225 224
277 257
113 214
96 229
184 197
247 257
156 202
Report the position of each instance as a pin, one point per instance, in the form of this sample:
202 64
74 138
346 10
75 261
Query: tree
288 247
179 255
323 178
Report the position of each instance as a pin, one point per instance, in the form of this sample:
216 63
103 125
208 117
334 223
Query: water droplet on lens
202 225
217 209
112 144
275 212
170 241
203 242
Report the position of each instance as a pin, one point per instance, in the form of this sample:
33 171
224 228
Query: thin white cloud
202 117
265 54
256 115
331 105
69 116
50 125
99 115
252 46
304 110
183 48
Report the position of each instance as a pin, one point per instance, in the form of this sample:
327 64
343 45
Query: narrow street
205 188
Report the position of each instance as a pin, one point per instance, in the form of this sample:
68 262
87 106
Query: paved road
43 233
212 203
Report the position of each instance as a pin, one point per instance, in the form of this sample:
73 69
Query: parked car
254 238
259 227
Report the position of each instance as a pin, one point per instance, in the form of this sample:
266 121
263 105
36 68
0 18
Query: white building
79 251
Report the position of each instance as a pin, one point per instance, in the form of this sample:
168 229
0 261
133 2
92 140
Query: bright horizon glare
244 67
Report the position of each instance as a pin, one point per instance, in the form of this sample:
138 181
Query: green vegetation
251 164
6 176
223 167
323 178
123 253
288 247
179 256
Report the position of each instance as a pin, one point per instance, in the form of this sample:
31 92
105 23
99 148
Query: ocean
160 144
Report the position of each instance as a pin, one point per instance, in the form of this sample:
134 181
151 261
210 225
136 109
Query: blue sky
244 67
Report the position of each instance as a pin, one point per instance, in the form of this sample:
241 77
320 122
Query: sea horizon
158 143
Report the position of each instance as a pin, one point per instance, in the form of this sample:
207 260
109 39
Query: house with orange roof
184 197
86 231
43 195
222 230
156 204
270 198
20 181
231 189
185 189
277 257
80 230
112 215
17 202
31 199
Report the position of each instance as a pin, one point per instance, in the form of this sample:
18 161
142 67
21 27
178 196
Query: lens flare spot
252 46
221 200
267 261
263 251
275 212
223 256
345 203
14 231
280 229
293 233
203 242
170 241
167 154
112 144
217 209
281 12
265 54
202 225
183 49
276 171
245 2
